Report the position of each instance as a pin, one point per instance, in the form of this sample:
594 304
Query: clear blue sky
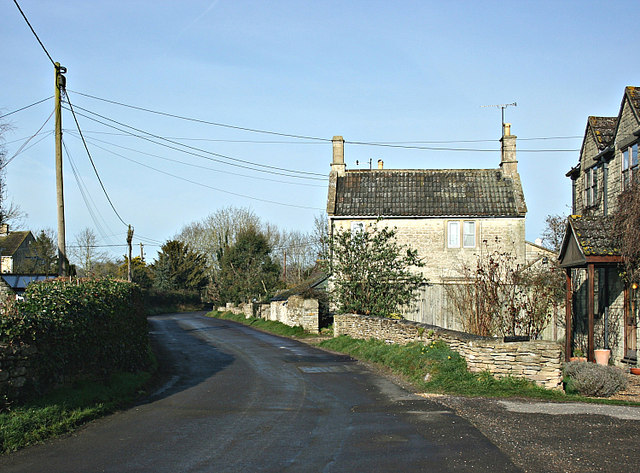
371 71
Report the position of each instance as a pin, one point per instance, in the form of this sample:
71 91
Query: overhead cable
22 148
197 120
34 33
28 106
94 140
93 164
204 151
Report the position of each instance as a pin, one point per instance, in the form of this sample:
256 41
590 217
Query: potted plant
578 355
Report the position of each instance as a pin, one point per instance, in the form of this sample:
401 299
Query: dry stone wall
295 311
538 361
16 370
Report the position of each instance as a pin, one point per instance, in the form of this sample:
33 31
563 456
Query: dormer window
629 165
591 186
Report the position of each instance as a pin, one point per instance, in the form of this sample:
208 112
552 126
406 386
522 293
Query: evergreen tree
247 271
179 267
371 273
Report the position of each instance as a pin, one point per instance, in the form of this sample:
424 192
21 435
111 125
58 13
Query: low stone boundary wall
16 369
538 361
294 311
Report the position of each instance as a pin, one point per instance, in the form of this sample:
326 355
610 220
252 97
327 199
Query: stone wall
538 361
295 311
16 369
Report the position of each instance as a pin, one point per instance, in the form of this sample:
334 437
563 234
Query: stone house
14 248
601 311
450 216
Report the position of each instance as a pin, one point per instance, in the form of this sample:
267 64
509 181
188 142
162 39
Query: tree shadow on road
184 361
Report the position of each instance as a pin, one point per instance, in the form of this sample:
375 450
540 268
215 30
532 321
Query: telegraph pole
63 263
129 240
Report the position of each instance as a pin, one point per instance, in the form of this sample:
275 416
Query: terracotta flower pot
635 371
578 358
602 356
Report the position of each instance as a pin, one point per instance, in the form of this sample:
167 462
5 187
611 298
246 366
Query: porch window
629 165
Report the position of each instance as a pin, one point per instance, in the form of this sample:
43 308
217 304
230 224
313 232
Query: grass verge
433 368
271 326
64 409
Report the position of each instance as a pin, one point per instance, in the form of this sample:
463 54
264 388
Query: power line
216 188
22 147
433 148
311 174
34 33
235 127
93 140
28 106
363 143
92 163
86 197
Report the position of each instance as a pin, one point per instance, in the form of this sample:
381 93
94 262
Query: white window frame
453 234
466 225
357 227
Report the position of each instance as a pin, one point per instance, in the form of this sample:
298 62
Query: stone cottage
451 216
601 312
15 248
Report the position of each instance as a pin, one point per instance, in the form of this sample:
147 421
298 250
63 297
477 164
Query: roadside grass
433 368
436 368
277 328
64 409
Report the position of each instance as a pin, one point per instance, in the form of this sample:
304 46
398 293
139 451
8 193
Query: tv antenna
502 106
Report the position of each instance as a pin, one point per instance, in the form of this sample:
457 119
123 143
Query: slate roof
594 235
603 130
633 93
9 244
428 192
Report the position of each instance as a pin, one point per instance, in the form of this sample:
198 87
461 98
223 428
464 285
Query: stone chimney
337 164
508 162
380 164
4 229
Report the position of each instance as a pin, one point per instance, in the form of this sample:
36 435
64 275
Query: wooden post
63 265
568 337
590 311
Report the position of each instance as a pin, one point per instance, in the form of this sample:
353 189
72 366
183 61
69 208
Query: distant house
451 216
602 312
14 248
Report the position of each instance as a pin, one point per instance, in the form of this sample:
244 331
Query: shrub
81 328
590 379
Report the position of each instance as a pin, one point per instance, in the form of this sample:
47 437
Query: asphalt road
235 400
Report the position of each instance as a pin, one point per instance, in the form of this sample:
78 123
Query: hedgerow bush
590 379
81 328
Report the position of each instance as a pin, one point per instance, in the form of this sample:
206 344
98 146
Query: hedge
81 328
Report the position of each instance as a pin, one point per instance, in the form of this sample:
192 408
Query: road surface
239 400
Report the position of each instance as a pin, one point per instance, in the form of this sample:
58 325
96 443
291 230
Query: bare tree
85 251
553 233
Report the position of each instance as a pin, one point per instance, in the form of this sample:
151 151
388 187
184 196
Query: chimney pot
380 164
